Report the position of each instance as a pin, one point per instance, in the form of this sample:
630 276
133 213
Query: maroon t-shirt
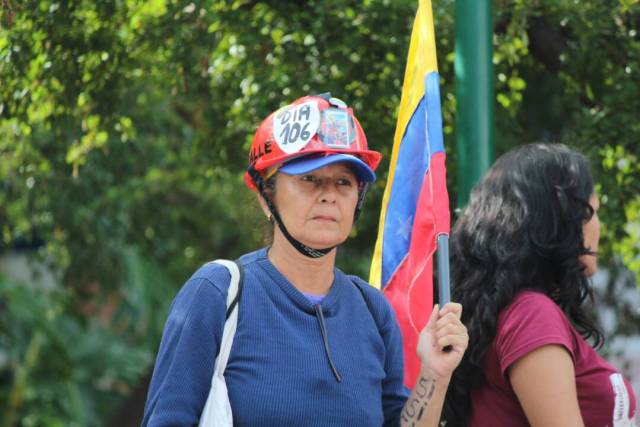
532 321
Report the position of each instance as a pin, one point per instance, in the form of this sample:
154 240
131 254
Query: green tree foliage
573 78
124 131
65 364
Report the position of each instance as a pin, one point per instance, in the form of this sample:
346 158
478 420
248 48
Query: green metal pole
474 82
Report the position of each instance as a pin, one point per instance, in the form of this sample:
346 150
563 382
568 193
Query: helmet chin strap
300 247
362 191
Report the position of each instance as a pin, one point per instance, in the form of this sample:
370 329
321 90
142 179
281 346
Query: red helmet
311 124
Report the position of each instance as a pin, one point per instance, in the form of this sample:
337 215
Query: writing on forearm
414 409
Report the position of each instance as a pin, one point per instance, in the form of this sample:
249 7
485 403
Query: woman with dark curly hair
522 254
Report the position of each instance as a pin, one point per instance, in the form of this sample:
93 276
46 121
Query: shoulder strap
231 322
367 301
236 299
235 285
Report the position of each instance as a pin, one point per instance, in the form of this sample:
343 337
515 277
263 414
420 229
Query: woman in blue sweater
313 346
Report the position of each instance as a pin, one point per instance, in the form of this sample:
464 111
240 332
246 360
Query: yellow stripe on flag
420 61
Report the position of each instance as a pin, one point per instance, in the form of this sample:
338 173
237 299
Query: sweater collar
297 297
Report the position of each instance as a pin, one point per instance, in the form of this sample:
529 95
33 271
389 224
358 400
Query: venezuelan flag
415 206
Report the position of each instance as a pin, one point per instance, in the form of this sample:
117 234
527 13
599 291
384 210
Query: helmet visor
310 163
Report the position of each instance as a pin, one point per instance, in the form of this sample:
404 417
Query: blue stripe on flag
411 166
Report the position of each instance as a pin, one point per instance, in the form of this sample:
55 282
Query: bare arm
424 406
545 383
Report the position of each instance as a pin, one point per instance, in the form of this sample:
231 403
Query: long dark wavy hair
522 229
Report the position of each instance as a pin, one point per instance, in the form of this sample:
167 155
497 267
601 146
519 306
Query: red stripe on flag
410 290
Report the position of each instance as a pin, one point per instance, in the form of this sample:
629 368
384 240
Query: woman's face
591 232
318 207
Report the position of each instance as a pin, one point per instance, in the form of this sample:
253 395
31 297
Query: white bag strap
232 318
217 409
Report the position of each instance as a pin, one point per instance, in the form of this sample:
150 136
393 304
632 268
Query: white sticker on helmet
295 125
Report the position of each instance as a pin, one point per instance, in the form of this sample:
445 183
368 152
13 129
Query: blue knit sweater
292 363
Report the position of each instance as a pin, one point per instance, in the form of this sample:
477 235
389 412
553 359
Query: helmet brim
310 163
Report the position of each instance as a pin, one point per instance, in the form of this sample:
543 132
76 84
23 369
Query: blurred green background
124 131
